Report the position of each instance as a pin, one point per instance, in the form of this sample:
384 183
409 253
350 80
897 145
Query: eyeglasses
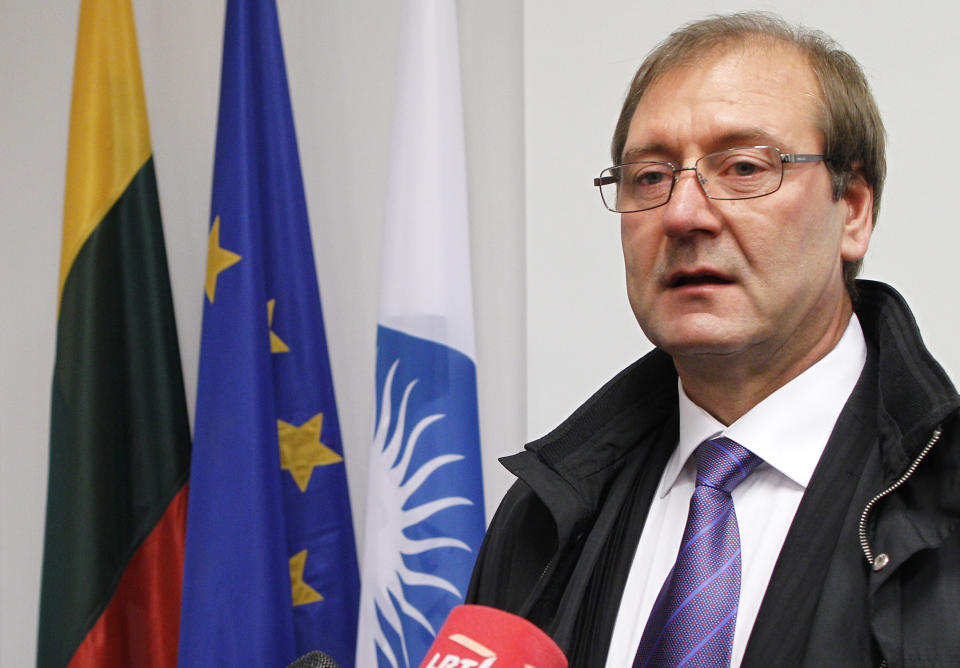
736 173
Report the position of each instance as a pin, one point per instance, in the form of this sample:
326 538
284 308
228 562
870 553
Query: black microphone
315 659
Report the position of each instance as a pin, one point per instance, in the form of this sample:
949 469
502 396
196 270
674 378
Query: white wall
579 60
340 65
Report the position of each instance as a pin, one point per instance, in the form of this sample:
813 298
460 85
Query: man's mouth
682 279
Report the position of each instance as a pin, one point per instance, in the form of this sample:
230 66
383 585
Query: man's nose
689 209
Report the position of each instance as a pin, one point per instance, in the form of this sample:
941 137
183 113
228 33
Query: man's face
757 276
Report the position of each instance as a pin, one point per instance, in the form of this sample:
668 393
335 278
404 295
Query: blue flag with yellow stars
270 570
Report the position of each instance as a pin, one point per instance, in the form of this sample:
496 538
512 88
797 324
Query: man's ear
858 221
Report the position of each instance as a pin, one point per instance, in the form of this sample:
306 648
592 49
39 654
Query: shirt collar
788 429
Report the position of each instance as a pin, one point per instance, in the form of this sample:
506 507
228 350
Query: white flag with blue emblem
424 511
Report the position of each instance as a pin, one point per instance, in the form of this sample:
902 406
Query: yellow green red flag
119 436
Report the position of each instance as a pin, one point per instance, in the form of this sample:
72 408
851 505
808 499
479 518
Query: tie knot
723 464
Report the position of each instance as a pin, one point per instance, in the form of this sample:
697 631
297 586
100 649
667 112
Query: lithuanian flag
119 437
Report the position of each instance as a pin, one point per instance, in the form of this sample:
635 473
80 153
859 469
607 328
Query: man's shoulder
637 399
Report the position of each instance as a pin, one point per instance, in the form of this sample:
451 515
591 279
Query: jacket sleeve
517 547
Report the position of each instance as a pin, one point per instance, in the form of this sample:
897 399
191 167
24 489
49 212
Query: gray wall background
542 85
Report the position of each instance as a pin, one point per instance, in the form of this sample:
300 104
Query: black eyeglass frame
784 157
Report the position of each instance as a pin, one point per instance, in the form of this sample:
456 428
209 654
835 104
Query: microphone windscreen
315 659
482 637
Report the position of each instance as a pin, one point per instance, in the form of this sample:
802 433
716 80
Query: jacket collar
915 394
570 467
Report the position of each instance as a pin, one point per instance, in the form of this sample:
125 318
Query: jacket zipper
875 562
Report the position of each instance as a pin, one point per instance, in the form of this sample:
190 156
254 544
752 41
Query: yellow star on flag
277 344
218 259
301 449
302 592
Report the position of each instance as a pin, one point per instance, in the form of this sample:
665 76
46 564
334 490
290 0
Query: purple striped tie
693 618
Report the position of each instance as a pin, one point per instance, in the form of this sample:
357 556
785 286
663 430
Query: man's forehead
746 136
738 94
753 49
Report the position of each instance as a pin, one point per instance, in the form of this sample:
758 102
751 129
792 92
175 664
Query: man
750 162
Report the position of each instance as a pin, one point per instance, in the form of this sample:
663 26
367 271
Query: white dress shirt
788 430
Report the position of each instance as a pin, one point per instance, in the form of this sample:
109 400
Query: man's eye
650 178
745 169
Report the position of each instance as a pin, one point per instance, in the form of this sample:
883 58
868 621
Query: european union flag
270 567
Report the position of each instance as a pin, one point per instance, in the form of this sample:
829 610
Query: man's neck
728 386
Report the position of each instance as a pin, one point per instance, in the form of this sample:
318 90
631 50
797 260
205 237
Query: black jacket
859 581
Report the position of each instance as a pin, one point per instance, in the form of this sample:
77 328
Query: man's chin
701 348
698 335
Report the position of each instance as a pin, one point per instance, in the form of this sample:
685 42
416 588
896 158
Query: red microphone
475 636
